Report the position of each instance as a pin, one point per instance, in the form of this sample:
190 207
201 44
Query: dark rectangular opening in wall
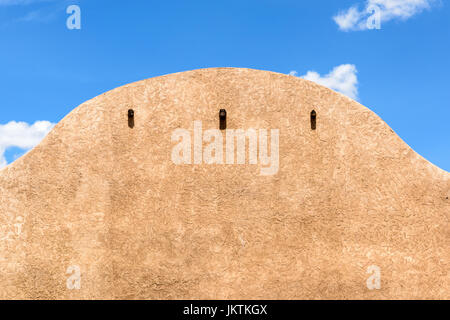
223 119
313 120
131 118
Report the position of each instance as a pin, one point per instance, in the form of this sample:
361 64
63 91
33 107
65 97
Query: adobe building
102 208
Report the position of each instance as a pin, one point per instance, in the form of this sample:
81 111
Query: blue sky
400 71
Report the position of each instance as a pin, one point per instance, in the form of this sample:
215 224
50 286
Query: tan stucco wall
108 198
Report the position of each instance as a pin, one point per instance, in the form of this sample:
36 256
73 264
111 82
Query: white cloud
355 19
3 162
21 135
342 79
349 20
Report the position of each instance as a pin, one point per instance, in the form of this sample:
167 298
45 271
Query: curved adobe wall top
142 220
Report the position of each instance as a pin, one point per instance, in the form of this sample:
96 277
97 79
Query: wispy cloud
342 78
21 135
21 2
37 10
36 15
354 19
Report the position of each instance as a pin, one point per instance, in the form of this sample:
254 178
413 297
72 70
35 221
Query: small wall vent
131 118
313 120
223 119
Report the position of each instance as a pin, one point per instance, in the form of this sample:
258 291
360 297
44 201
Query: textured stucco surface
98 194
